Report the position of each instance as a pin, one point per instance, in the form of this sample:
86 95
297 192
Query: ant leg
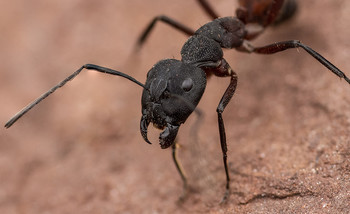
195 126
166 20
208 9
181 172
175 145
281 46
223 102
62 83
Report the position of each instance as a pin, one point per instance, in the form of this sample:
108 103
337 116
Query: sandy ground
80 151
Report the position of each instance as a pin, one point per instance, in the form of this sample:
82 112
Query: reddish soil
80 151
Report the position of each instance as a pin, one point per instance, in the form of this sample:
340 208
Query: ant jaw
167 137
144 123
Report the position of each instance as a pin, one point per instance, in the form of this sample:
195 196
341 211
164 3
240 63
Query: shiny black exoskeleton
174 87
165 103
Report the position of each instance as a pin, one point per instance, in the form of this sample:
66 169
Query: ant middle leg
208 9
175 24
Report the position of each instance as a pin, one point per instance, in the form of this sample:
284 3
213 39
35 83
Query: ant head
172 91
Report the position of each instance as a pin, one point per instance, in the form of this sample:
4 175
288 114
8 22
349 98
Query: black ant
174 87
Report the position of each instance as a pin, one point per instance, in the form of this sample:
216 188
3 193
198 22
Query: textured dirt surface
80 151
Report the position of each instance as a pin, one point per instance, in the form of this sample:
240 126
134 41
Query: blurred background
80 149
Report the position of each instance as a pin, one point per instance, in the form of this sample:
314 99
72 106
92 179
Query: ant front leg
177 25
220 109
175 145
224 70
181 172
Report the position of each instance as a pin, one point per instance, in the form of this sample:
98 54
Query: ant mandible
174 87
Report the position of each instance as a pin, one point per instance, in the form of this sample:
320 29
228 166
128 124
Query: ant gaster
174 87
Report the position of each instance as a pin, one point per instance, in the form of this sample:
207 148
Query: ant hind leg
282 46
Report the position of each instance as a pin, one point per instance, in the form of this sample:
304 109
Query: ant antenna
62 83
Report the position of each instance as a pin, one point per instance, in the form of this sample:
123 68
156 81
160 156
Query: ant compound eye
187 84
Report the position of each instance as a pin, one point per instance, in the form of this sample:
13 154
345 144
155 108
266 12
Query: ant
174 87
